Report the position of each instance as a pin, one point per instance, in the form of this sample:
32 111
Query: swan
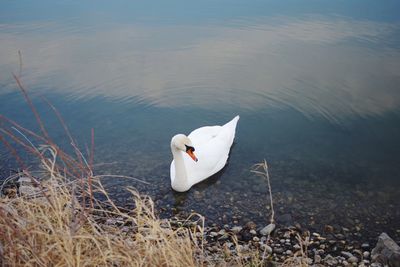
211 145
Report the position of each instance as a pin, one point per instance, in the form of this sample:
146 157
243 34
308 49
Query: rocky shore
288 245
274 243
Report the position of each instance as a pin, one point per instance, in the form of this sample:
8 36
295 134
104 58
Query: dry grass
66 218
59 231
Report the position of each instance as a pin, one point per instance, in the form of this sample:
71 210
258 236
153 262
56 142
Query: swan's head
183 143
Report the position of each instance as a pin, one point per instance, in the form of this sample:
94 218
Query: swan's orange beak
191 154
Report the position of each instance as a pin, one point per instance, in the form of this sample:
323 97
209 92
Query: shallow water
316 86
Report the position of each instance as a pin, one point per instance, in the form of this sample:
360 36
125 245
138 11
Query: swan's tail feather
233 122
231 129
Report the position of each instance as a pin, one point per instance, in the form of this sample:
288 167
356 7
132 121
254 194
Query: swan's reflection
182 200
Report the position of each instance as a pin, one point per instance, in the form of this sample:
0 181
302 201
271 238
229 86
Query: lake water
316 83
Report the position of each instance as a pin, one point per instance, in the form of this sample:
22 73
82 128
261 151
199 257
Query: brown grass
65 233
68 219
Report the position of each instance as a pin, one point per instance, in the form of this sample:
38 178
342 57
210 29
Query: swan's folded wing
212 156
204 134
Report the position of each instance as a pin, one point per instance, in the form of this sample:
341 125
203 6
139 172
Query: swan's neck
180 182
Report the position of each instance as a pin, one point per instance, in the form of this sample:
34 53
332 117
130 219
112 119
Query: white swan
211 145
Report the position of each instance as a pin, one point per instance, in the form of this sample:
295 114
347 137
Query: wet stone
236 229
366 254
213 234
288 252
365 246
251 225
317 259
296 247
346 254
352 259
267 229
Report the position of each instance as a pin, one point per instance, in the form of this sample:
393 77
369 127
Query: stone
267 248
352 259
357 251
221 232
366 254
296 247
365 246
236 229
317 258
386 251
251 225
267 230
330 261
346 254
316 234
340 236
328 228
289 252
213 234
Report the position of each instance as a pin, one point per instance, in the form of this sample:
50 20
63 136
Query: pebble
251 225
366 254
346 254
330 261
289 252
286 235
316 234
317 259
357 251
365 246
267 230
236 229
340 236
267 248
352 259
328 228
214 234
253 232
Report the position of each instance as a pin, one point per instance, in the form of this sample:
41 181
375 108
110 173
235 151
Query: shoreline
223 245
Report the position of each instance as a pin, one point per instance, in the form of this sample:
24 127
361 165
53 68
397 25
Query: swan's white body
212 145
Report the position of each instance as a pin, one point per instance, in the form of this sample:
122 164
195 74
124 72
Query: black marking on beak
189 148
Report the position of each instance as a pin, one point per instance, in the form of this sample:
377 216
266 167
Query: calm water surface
316 83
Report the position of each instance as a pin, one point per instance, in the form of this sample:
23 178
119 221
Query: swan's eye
189 148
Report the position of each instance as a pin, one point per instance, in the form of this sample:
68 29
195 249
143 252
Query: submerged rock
267 230
386 251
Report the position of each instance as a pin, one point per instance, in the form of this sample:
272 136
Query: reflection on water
317 94
330 67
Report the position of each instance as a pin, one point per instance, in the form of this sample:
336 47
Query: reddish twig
29 101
